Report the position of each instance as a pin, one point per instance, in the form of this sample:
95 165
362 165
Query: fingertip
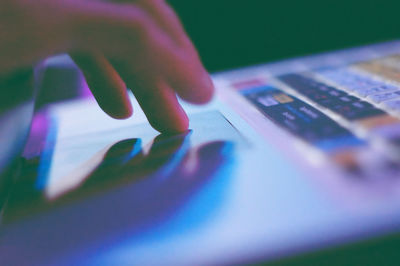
178 123
116 105
207 90
179 126
114 101
201 93
121 113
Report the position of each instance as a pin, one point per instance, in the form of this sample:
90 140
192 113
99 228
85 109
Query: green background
234 33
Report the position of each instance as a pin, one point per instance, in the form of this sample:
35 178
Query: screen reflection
162 176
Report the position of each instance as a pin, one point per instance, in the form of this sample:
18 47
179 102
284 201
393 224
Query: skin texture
139 44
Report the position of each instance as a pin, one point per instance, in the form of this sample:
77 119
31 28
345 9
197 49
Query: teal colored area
233 33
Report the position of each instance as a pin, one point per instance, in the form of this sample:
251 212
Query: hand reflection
161 177
126 161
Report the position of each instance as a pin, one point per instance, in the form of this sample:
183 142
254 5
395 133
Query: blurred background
232 33
236 33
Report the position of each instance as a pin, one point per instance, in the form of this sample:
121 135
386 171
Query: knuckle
141 28
10 9
156 3
137 20
10 6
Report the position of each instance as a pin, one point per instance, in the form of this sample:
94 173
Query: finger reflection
161 177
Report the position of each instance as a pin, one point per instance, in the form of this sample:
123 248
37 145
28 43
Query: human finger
105 83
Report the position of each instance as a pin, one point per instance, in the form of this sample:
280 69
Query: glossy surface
16 110
271 196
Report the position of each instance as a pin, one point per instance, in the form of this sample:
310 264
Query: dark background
230 33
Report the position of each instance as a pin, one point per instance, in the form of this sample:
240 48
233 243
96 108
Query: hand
140 45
